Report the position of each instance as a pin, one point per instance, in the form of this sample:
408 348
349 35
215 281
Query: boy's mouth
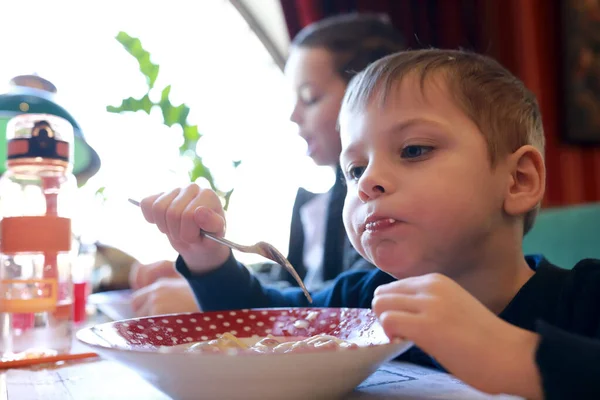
377 224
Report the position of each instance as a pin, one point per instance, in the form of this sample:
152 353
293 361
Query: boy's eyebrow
396 129
349 151
305 84
409 123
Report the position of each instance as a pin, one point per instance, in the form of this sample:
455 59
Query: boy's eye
356 172
307 96
310 101
415 151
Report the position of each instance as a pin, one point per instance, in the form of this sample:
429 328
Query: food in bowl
228 343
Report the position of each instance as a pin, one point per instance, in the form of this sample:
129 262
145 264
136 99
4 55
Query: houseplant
171 114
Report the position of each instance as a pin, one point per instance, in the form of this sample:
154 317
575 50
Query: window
215 64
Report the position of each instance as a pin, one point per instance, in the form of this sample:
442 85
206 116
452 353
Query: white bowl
155 348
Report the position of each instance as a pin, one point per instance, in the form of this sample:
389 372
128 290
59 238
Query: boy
442 154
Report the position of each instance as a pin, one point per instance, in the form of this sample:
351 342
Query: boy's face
422 195
319 91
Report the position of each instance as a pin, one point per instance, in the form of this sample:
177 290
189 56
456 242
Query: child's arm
569 364
232 286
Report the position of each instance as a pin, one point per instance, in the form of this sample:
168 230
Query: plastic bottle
36 198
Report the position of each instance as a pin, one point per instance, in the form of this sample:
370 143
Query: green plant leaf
227 196
172 114
134 47
201 171
100 193
164 95
191 133
131 104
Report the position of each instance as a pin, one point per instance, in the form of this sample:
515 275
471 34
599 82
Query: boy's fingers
176 211
210 221
396 302
146 206
400 324
416 284
139 298
134 275
406 286
144 310
157 270
160 207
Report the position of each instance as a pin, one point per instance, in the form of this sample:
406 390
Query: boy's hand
470 341
164 296
180 214
142 275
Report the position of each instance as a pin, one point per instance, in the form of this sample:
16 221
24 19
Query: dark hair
355 40
504 110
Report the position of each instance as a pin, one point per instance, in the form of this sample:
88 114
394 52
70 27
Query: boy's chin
399 267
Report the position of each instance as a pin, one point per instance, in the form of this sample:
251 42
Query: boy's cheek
355 241
357 244
350 219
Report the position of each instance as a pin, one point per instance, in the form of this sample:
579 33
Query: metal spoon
261 248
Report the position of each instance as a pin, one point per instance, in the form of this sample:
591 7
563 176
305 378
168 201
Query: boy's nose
377 180
370 192
296 115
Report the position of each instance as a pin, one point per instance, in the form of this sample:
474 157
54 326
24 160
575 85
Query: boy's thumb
209 220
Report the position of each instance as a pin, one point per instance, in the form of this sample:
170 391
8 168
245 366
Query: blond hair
503 109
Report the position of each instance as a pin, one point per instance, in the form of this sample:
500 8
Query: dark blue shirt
562 306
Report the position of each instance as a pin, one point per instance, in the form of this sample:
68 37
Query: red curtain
533 52
424 23
524 35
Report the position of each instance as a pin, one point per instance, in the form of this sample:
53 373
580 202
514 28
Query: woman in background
324 56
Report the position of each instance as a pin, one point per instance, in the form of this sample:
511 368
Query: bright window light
237 95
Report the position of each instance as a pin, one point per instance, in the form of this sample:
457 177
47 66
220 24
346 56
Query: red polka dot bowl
157 349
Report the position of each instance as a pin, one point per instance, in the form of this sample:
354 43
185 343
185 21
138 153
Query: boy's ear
527 181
